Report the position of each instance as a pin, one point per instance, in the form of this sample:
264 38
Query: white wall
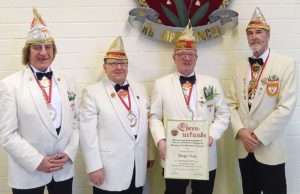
84 31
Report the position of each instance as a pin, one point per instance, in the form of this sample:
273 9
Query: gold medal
132 118
252 83
256 68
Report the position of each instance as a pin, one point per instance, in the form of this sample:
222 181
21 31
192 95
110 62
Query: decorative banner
160 21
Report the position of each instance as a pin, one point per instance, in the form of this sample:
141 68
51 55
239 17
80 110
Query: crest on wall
165 19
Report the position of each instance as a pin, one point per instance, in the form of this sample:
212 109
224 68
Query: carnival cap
116 50
186 40
38 31
258 21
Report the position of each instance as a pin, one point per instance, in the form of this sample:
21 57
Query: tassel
168 2
197 3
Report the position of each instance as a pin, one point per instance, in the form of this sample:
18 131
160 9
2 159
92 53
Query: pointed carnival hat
186 40
116 50
258 21
38 31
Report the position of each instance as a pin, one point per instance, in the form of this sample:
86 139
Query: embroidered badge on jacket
209 92
272 87
71 96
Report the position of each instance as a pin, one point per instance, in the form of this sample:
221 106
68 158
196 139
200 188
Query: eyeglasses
116 64
183 55
39 47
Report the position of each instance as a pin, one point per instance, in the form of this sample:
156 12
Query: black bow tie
119 87
191 79
253 61
40 75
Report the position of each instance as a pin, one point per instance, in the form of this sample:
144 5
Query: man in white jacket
39 119
114 128
261 100
181 96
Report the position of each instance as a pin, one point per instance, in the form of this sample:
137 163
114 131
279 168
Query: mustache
255 42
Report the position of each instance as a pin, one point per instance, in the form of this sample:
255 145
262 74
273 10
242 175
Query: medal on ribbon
130 116
256 72
45 82
187 87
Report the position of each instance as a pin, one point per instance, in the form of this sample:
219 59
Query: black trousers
131 190
63 187
257 177
178 186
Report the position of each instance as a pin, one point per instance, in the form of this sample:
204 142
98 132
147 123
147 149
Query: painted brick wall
85 29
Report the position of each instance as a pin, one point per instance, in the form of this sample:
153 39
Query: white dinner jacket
27 132
268 115
168 103
106 138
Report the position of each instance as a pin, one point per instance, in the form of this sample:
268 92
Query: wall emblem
165 19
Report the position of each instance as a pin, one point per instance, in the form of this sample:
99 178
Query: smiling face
258 40
185 61
116 70
41 55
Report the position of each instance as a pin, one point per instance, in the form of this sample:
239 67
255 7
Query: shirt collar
114 84
36 70
263 56
179 74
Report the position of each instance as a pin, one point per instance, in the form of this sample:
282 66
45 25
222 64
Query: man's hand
97 177
162 148
210 141
250 142
61 158
47 164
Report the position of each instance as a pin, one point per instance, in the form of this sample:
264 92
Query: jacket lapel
118 107
39 100
179 95
65 105
243 79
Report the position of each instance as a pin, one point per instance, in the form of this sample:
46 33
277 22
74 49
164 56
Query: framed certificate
187 149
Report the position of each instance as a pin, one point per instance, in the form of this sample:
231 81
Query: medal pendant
132 118
256 68
52 111
45 82
252 83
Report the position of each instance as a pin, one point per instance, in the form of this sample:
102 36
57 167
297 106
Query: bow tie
40 75
119 87
191 79
253 61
